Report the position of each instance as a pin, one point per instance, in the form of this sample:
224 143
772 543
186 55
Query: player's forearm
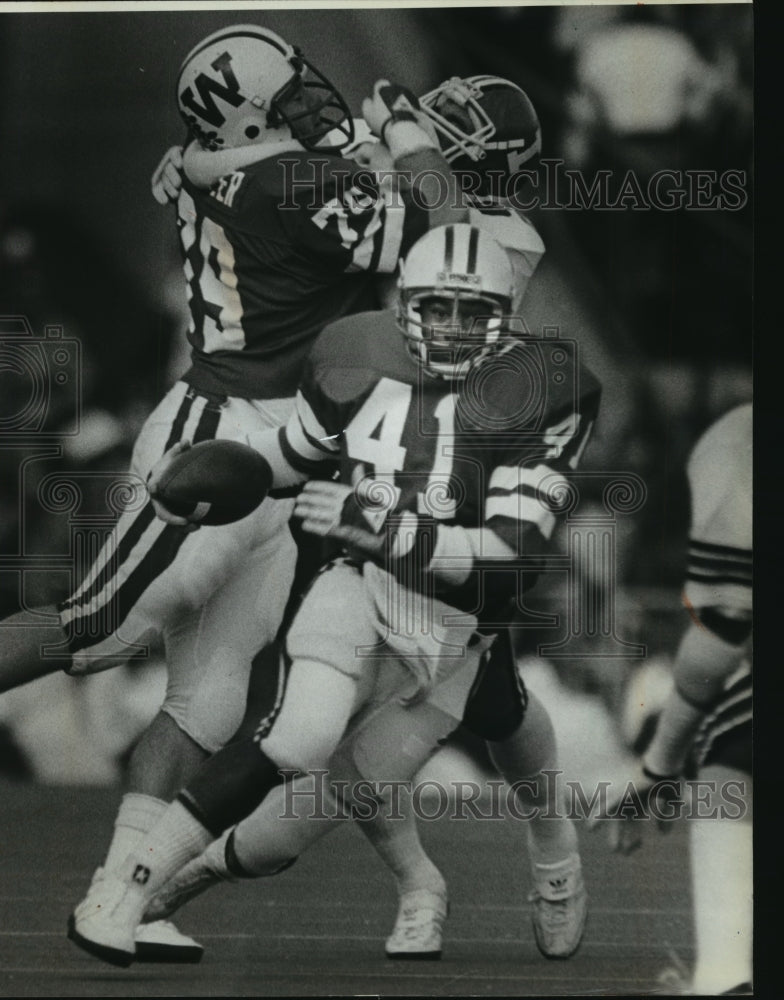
703 663
204 167
422 551
434 185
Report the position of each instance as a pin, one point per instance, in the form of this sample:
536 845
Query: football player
272 254
490 134
447 443
705 726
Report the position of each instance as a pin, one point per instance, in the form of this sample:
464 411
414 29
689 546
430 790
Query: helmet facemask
486 126
463 126
311 108
450 331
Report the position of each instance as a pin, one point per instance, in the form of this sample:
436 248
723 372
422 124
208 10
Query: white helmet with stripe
245 84
464 269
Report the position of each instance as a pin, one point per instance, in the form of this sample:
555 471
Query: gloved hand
393 103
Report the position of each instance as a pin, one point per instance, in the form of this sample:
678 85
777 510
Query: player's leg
492 706
527 759
306 728
385 748
722 842
383 754
226 788
217 595
522 745
209 655
389 751
24 637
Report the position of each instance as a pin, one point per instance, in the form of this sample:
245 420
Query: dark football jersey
272 254
485 453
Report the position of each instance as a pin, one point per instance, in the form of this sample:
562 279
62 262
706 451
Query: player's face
300 106
449 320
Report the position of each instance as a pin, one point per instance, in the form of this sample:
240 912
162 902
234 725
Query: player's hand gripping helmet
455 287
484 123
244 84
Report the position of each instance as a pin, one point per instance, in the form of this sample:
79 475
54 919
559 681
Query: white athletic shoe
160 941
560 907
419 926
103 923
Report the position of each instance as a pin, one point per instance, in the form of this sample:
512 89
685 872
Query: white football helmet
485 121
462 265
245 84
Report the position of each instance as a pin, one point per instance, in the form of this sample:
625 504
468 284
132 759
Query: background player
384 408
705 726
262 282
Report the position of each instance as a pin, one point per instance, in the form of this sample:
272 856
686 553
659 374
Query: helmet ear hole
252 131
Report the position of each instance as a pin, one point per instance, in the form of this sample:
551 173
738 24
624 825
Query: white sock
560 879
136 816
721 874
176 838
191 880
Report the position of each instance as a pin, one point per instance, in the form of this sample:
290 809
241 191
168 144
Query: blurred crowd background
660 301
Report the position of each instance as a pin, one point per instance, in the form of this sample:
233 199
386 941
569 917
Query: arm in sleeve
704 661
300 450
367 221
519 515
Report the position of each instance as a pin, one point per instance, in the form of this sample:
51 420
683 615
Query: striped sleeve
719 564
299 450
306 443
520 495
718 576
364 223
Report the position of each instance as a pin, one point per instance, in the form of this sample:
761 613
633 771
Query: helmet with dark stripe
454 290
245 84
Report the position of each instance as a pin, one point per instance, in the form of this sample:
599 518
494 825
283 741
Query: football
215 482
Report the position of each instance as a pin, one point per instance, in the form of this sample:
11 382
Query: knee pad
230 785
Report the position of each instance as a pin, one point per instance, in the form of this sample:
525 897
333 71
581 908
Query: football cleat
160 941
419 925
560 907
103 923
